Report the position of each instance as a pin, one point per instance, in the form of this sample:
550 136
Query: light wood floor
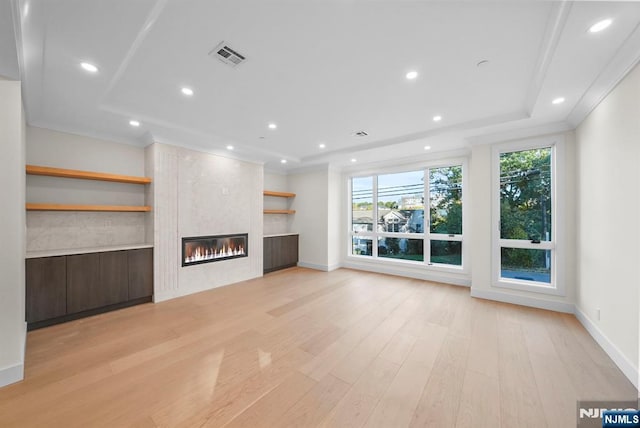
306 348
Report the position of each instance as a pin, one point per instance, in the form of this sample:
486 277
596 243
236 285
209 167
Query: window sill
531 287
409 263
410 269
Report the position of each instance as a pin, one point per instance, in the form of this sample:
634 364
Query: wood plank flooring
303 348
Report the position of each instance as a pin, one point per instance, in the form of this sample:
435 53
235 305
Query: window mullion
427 216
374 243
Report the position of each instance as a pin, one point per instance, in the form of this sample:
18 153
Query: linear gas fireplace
207 249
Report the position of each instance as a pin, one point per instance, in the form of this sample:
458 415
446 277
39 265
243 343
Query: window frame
556 245
426 234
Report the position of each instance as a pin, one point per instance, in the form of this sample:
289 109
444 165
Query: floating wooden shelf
86 175
279 194
65 207
279 211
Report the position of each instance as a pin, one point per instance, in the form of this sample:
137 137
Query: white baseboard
324 268
15 373
623 363
161 296
334 267
11 374
399 271
550 305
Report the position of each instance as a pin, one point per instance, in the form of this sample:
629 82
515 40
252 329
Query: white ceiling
321 70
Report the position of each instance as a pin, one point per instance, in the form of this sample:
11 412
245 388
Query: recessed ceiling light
437 118
229 147
354 160
412 75
427 147
272 126
322 145
89 67
187 91
600 25
134 123
558 100
283 161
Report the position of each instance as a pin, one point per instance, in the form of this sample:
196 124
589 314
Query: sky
390 180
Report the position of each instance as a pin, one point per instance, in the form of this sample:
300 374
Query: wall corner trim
623 363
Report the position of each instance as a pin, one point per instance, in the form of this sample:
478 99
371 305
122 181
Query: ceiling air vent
227 55
361 134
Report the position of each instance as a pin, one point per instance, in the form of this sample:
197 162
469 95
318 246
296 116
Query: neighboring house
363 222
394 221
415 224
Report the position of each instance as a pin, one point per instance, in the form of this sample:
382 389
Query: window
388 216
362 215
525 242
445 206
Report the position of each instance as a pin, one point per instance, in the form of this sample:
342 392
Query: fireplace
206 249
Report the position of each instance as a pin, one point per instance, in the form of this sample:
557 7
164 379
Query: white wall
310 220
63 150
274 224
50 230
199 194
275 181
335 220
12 234
479 203
480 208
608 152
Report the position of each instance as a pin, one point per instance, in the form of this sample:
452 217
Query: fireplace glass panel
207 249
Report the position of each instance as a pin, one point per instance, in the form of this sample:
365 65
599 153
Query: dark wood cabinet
288 250
63 288
83 282
267 255
114 278
279 252
140 273
46 285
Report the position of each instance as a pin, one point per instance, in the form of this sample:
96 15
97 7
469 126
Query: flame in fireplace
200 252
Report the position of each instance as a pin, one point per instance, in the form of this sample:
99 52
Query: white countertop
279 234
70 251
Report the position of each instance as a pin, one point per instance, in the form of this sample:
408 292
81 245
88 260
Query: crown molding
518 134
553 31
622 62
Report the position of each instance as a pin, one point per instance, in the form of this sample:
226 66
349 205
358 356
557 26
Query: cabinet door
267 254
83 282
140 273
114 277
289 250
46 288
280 252
277 249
